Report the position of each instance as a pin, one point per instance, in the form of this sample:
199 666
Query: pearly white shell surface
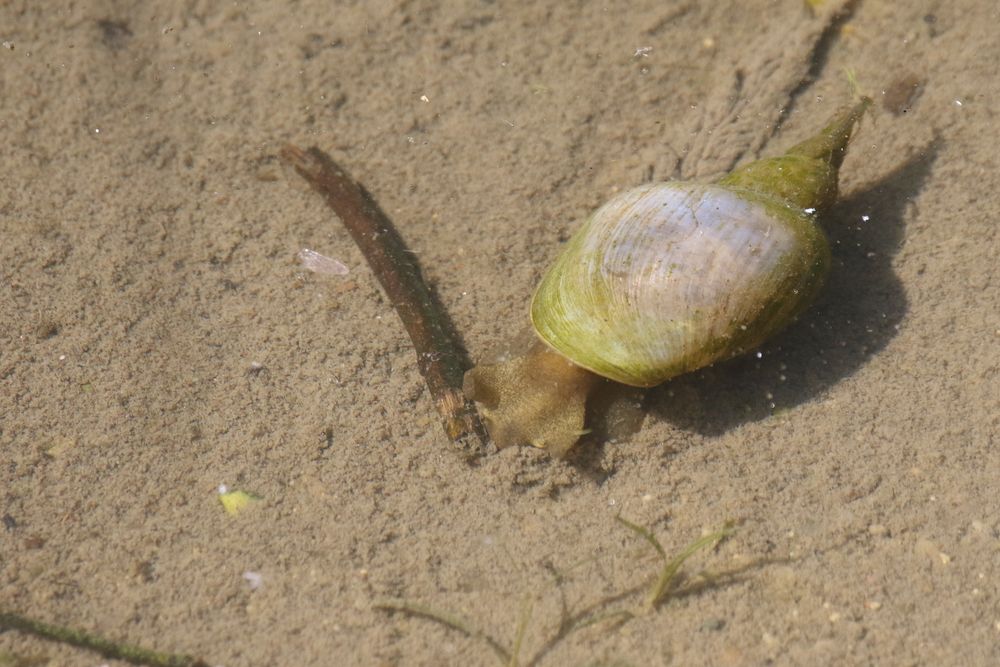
670 277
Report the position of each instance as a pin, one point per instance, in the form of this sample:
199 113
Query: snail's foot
537 399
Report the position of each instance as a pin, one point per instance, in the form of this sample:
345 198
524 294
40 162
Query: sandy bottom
159 338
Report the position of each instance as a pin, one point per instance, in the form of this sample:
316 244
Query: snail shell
669 277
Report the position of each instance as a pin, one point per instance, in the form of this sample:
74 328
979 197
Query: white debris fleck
958 103
642 51
423 98
223 489
317 263
810 211
865 218
253 579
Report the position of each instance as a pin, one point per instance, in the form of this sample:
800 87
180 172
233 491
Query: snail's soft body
667 278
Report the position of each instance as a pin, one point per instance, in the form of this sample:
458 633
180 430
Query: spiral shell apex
670 277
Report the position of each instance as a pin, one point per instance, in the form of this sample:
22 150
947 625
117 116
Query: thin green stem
505 654
645 533
107 648
522 626
662 586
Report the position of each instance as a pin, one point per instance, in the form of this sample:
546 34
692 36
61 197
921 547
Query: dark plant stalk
107 648
438 356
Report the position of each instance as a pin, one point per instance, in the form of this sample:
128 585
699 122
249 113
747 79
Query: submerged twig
107 648
438 357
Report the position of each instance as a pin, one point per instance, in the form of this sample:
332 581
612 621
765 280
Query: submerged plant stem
506 655
438 357
663 583
107 648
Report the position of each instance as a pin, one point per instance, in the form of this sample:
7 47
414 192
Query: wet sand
160 339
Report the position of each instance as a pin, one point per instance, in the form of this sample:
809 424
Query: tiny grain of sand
159 338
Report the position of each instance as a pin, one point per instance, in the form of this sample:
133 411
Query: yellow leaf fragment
236 501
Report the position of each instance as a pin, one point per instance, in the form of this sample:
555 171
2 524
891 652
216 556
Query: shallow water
160 337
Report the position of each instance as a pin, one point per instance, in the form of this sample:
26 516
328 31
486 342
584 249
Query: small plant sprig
656 595
661 588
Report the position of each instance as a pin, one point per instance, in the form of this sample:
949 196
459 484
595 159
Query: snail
664 279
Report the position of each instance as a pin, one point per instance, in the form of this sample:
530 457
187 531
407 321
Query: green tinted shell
669 277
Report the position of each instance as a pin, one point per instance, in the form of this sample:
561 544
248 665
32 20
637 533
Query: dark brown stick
438 357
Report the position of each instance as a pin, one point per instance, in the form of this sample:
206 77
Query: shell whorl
670 277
